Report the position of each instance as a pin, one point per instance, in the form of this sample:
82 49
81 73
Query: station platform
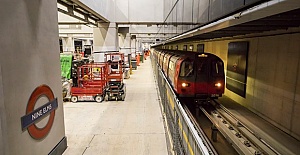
131 127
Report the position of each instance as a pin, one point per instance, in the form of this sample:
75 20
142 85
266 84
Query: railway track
236 133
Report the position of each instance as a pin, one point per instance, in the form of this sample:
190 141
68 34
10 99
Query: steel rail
238 134
252 136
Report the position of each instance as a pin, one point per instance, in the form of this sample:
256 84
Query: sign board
65 65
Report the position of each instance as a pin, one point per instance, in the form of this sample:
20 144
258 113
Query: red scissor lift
116 89
91 84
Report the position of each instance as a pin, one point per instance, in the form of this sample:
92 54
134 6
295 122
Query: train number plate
214 95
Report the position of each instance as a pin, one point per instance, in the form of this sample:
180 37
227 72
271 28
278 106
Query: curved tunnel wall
273 77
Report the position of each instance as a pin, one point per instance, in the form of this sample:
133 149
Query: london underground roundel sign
34 115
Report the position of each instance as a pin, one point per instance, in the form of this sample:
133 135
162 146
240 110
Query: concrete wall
128 10
105 38
3 136
273 82
104 7
29 57
72 29
124 43
70 32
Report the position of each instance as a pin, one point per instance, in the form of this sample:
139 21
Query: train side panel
161 59
166 63
172 71
177 70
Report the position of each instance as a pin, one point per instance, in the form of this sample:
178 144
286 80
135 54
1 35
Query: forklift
116 89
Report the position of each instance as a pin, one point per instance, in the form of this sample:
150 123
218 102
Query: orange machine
91 83
138 59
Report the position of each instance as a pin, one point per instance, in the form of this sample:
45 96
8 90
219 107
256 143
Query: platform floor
131 127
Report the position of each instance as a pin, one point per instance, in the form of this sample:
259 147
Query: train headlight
185 84
218 84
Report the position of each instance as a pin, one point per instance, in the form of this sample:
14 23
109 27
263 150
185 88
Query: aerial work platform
134 126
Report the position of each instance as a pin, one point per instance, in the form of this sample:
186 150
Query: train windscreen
202 70
217 68
186 69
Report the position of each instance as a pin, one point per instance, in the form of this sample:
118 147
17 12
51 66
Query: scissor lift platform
92 83
116 89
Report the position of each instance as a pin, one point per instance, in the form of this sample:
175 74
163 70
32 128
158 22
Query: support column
31 105
133 47
121 38
124 44
105 38
140 49
68 44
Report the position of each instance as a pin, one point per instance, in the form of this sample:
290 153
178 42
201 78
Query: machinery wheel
74 99
122 97
98 98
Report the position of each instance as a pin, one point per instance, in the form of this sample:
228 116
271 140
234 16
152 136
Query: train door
202 76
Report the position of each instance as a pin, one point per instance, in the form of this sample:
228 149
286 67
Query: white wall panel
179 16
174 20
122 10
146 10
195 10
187 11
166 8
143 29
203 11
105 8
128 10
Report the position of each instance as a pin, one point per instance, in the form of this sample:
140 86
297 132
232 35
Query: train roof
189 53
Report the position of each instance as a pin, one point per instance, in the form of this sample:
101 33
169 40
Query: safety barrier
186 140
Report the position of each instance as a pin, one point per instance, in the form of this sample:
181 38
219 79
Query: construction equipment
116 89
91 82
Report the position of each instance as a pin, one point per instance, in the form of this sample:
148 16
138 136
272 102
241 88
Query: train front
202 77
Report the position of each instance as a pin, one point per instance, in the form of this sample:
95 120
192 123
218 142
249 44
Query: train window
217 68
165 59
202 67
202 74
171 65
186 69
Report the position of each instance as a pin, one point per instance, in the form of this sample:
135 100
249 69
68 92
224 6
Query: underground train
198 76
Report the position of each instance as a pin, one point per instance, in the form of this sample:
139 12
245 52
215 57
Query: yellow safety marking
96 69
170 100
185 138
